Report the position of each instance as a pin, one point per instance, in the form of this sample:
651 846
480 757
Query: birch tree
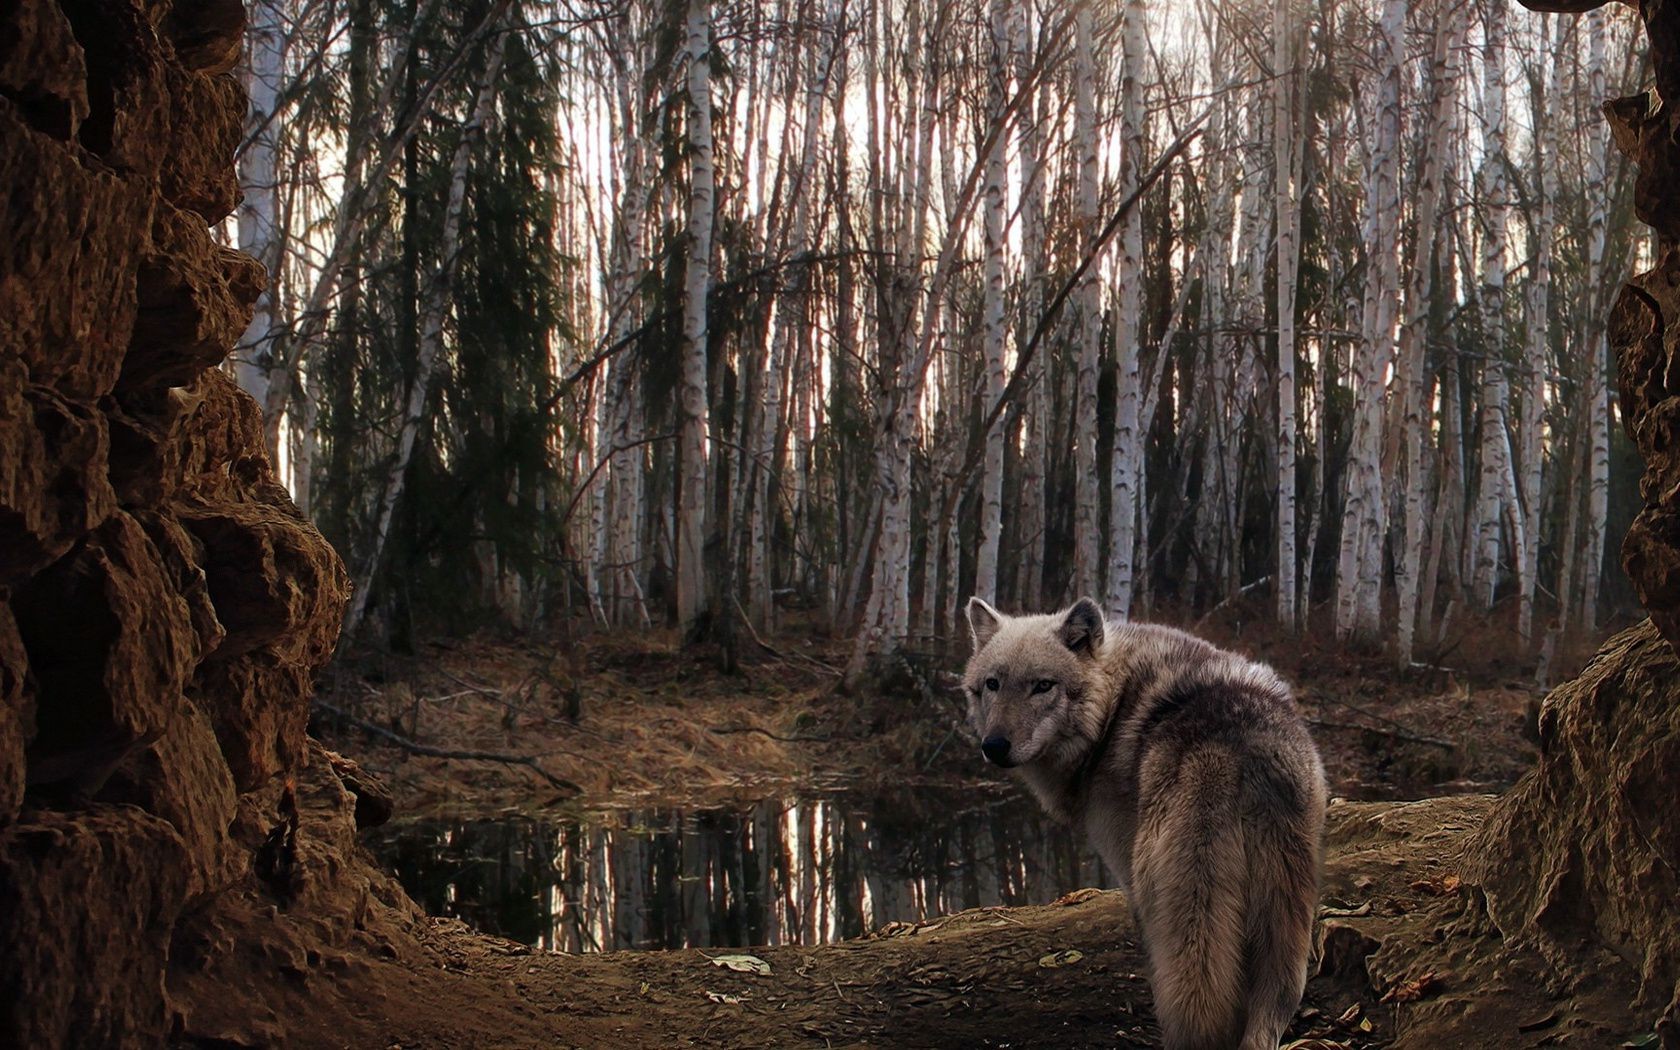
1359 562
1126 454
991 482
693 455
1444 67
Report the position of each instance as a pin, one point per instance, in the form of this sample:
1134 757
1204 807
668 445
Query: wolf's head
1028 676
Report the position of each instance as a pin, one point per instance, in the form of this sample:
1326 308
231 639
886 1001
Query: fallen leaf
743 964
727 1000
1439 886
1350 1015
642 989
1410 991
1065 957
1077 897
1364 1024
1315 1044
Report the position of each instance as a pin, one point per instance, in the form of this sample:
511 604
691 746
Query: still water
787 871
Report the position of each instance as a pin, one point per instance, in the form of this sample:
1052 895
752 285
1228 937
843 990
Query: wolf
1194 777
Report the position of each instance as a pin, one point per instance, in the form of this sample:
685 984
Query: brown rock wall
163 607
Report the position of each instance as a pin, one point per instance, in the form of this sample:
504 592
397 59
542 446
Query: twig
795 739
1398 734
1367 712
1242 592
929 763
812 662
415 748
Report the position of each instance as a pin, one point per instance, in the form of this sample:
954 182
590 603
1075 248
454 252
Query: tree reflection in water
800 871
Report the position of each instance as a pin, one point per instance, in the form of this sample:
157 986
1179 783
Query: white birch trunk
1286 158
1414 332
692 438
1495 392
1597 389
1531 481
1029 587
260 235
994 335
1359 562
1086 538
1126 457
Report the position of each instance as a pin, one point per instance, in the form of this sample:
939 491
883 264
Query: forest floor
624 720
1403 963
1405 957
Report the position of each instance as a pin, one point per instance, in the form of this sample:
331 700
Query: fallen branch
1398 734
428 751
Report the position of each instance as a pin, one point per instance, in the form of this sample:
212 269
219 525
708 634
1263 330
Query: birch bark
1087 544
1597 389
1125 455
692 438
260 235
1287 147
1414 332
1359 562
994 335
1495 388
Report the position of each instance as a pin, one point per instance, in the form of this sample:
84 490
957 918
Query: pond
784 871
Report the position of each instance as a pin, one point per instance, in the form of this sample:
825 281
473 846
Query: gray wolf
1193 775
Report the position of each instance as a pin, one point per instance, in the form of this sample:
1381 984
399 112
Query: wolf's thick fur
1193 774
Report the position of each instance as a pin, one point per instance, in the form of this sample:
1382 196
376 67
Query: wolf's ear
1082 627
983 622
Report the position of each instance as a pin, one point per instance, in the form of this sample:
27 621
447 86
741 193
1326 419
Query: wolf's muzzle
996 750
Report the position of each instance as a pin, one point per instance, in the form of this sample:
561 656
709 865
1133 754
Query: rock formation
1586 849
163 606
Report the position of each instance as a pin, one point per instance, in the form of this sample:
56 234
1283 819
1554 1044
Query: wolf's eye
992 684
1043 685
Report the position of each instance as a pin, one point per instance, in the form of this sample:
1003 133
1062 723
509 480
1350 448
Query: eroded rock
163 607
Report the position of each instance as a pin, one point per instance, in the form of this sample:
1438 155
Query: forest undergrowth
498 723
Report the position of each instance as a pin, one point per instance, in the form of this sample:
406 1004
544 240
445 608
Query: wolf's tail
1282 899
1189 876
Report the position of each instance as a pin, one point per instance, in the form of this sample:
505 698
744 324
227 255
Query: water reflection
800 871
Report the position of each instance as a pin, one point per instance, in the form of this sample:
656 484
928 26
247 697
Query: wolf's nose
996 750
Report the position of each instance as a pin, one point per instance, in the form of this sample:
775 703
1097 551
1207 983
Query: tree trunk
691 443
1364 522
1414 332
991 478
1087 546
260 233
1126 456
1597 392
1495 437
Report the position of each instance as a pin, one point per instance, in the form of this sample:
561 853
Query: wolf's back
1231 803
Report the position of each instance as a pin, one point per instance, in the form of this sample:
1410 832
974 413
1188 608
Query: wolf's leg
1282 899
1188 870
